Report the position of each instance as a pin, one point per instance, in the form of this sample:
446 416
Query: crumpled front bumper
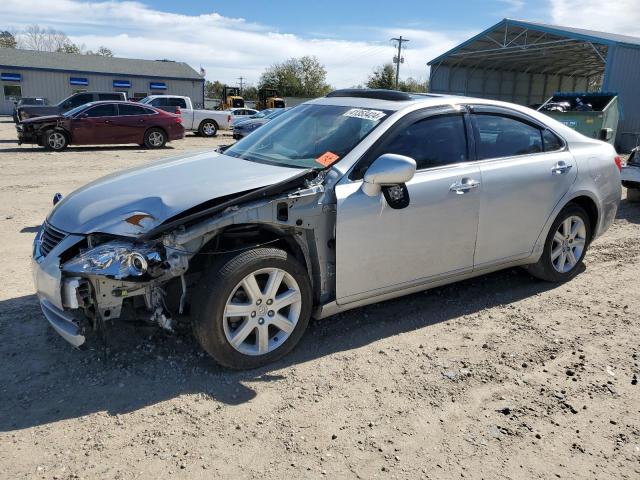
54 292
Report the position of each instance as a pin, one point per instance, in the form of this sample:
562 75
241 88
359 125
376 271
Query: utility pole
399 58
241 80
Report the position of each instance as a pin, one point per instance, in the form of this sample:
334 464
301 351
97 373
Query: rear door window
499 136
105 110
552 142
432 141
177 102
125 110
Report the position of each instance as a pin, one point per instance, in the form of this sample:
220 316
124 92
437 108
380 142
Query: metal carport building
526 63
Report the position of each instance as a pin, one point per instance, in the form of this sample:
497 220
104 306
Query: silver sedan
346 200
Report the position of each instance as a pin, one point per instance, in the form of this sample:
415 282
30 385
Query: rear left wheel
565 246
208 128
155 138
252 308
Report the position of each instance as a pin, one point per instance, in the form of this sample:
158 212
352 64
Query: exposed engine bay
151 277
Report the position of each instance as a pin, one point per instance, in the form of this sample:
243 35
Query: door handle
561 168
107 121
464 185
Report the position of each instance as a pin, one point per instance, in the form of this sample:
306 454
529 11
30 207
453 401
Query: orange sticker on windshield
327 158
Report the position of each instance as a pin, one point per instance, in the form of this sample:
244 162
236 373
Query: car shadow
629 211
8 141
45 380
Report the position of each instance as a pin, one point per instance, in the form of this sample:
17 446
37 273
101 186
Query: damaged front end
84 281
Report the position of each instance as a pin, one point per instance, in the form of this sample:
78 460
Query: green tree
297 77
250 93
413 85
7 40
213 89
383 76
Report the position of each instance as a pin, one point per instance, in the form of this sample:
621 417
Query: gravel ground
497 377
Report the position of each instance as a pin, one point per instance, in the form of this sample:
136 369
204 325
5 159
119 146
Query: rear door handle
464 185
561 168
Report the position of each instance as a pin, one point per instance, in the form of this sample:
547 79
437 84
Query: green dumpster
595 114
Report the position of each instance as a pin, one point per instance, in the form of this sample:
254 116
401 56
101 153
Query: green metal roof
32 59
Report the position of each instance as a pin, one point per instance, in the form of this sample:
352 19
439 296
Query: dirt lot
498 377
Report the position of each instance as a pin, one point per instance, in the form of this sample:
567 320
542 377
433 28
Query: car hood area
42 119
135 201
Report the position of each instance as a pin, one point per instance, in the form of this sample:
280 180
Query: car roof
413 101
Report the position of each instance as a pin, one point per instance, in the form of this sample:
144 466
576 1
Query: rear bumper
630 175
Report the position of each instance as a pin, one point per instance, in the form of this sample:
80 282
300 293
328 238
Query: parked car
103 123
204 122
24 101
75 100
355 198
631 175
243 128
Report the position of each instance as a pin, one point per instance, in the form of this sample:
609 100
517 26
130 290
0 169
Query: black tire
55 140
544 269
208 128
218 285
155 138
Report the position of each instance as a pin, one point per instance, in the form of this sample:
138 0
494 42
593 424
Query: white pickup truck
204 122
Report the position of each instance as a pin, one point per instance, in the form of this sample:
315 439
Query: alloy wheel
568 244
57 140
209 129
156 139
262 311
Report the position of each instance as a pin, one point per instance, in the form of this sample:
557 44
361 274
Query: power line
399 58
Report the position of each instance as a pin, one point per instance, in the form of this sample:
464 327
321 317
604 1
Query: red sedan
103 123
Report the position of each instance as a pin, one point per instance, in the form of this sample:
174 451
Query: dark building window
12 91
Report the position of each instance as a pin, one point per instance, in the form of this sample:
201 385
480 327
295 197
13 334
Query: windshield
308 136
145 100
73 111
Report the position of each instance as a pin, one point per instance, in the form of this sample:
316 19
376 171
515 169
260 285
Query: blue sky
230 39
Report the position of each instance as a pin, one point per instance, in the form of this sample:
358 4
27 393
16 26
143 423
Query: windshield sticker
373 115
327 158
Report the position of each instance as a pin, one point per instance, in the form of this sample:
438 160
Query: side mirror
67 104
388 170
84 115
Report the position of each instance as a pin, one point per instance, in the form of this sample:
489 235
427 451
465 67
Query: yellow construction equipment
231 98
269 98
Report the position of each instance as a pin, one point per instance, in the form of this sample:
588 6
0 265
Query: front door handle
561 168
464 185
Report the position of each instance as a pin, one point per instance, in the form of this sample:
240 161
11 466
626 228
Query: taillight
178 119
178 111
229 118
618 161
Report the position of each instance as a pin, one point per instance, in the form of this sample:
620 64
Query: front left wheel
55 140
252 308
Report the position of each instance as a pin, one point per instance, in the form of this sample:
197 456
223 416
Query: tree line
306 77
34 37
